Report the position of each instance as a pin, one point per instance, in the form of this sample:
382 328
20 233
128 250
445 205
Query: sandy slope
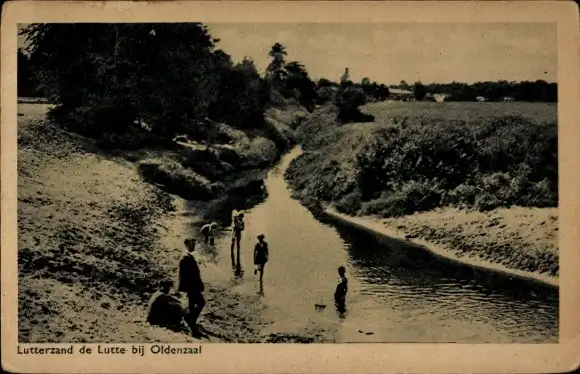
92 247
518 238
520 241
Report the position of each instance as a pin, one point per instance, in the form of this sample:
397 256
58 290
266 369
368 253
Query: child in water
260 256
237 228
208 232
341 290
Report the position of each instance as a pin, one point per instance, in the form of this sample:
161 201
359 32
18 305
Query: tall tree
404 85
25 80
243 96
345 78
166 74
419 91
299 84
368 88
382 92
348 99
275 73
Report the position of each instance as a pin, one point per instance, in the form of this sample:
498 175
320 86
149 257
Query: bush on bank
175 178
413 165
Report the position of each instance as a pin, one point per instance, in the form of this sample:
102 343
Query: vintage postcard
322 187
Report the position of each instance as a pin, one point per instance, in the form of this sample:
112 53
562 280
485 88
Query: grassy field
464 111
419 164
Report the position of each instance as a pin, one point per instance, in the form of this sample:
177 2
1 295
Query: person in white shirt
238 227
208 232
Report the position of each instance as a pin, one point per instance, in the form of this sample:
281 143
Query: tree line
106 78
537 91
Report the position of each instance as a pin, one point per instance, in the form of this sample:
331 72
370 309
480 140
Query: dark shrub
178 179
348 100
349 204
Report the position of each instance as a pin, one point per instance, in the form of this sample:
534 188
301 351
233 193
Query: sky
391 52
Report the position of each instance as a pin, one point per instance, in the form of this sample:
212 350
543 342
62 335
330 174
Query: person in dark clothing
260 256
341 290
163 309
190 283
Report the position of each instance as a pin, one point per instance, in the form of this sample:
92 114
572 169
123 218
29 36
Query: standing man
190 282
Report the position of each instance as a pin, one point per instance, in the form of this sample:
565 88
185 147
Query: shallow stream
397 293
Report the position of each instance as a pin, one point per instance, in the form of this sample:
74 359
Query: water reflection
236 262
341 310
210 252
412 279
261 290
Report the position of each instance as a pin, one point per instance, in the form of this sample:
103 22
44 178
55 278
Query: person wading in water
341 290
260 256
238 227
208 232
190 283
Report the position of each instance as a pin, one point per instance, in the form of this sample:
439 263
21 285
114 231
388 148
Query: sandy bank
94 241
511 241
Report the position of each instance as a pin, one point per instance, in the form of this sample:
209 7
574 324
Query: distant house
436 97
440 97
400 94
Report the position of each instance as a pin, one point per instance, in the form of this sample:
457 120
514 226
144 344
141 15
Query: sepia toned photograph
231 182
204 182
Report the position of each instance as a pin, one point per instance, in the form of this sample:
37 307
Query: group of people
260 249
166 310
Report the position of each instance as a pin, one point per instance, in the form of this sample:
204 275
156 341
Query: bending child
208 232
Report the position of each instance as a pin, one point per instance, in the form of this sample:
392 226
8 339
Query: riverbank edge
375 226
78 312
